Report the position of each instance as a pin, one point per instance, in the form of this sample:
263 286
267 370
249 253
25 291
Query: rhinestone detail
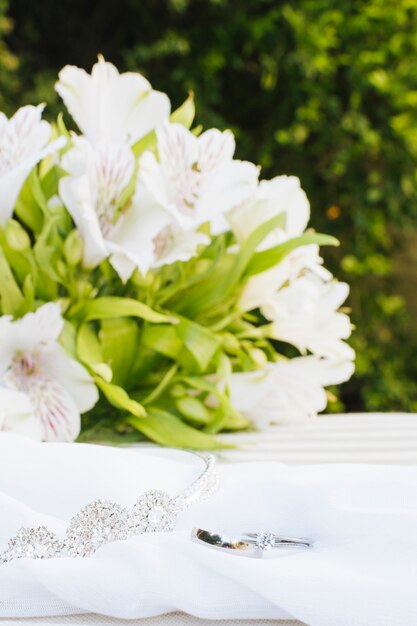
265 541
96 524
34 543
154 512
102 522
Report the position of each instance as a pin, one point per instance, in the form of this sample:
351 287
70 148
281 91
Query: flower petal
215 148
23 143
196 178
70 375
227 186
259 289
76 196
97 179
304 313
17 415
109 105
55 408
31 334
132 242
287 390
180 245
37 329
281 195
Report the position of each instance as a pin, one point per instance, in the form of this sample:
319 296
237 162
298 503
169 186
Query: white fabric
170 619
362 570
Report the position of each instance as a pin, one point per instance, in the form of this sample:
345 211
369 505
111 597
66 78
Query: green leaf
185 114
193 410
248 249
227 274
47 258
119 341
47 249
118 398
148 142
112 306
163 339
62 129
162 385
37 191
200 342
230 418
266 259
28 289
68 339
16 236
197 130
22 262
88 345
11 296
168 430
27 209
51 180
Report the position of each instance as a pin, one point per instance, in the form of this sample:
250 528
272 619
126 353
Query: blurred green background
322 89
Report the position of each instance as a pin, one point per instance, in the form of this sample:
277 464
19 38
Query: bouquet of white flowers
149 281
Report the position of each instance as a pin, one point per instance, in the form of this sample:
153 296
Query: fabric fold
362 569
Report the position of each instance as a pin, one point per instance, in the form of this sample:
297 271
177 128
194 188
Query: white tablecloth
173 619
370 438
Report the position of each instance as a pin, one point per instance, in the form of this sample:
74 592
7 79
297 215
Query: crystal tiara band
102 522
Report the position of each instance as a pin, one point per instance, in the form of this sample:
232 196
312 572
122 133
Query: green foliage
161 348
321 89
8 62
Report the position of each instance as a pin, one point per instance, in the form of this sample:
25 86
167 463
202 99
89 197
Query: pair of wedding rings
249 544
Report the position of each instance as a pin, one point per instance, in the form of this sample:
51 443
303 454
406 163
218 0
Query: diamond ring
249 544
102 522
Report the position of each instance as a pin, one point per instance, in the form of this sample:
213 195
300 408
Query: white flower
43 391
110 106
287 389
145 236
173 244
23 143
305 314
17 414
259 290
196 179
280 196
98 177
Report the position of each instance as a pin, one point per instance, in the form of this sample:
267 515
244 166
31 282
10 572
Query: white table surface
173 619
386 438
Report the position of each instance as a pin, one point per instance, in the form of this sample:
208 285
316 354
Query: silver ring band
249 544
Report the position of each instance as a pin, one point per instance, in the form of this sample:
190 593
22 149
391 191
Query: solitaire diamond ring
102 522
249 544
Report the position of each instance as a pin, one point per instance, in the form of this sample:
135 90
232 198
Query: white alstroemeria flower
110 106
260 289
283 196
50 389
173 244
287 390
98 176
146 237
23 143
196 179
305 314
17 414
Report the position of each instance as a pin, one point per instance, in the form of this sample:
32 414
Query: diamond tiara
101 522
